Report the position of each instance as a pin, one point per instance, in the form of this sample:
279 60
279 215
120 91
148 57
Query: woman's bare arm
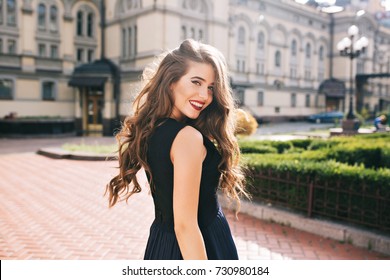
187 154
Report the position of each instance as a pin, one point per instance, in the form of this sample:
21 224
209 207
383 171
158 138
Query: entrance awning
87 81
332 88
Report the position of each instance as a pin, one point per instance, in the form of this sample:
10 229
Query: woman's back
162 243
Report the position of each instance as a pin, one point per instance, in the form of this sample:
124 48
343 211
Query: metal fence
362 205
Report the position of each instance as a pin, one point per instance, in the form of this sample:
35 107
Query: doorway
95 114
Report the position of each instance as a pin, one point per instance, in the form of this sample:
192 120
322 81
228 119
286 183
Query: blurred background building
82 60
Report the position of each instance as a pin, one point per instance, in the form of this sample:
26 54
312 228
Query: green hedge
322 170
372 150
350 175
341 191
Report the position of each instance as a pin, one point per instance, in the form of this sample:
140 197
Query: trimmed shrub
246 123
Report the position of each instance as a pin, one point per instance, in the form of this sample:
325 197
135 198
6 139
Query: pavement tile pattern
56 209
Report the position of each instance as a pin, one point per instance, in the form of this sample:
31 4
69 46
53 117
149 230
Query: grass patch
91 148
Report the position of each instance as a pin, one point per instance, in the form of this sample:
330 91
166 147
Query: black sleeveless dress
162 243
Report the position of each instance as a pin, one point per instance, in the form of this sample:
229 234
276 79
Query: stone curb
327 229
58 153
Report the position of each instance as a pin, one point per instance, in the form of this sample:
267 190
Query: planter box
24 127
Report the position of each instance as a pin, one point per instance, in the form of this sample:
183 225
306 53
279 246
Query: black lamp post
352 47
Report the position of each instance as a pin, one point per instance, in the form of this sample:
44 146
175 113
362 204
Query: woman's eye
196 83
211 89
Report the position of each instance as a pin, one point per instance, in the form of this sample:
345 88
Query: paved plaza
56 209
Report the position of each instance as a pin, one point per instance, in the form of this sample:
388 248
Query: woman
183 108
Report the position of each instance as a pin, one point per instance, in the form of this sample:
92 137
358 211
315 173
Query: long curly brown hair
155 101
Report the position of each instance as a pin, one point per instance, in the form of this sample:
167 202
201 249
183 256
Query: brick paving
56 209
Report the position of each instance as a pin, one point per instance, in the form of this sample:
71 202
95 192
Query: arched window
308 50
41 16
294 47
260 40
321 53
11 12
192 33
53 18
80 22
241 36
90 25
278 58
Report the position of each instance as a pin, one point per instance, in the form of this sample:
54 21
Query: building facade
56 60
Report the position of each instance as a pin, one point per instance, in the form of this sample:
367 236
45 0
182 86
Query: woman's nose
203 93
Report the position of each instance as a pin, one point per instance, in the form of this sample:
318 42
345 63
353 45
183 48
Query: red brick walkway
55 209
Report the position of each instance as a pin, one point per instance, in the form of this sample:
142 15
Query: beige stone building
56 60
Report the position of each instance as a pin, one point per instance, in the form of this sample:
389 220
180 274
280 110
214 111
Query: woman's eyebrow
200 78
197 77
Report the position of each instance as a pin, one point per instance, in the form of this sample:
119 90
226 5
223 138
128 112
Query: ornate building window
308 50
278 58
307 101
129 42
321 53
260 98
80 23
80 55
8 12
42 50
195 19
294 48
260 41
11 46
90 55
85 31
53 51
90 18
48 90
47 18
293 100
42 16
48 37
6 88
85 22
11 12
240 97
241 35
53 22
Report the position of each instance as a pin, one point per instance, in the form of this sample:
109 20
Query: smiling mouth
197 105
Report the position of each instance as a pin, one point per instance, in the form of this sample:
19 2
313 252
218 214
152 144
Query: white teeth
197 104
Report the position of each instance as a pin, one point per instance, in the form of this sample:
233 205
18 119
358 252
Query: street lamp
352 47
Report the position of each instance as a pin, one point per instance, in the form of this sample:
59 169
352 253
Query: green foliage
354 173
371 150
91 148
257 147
